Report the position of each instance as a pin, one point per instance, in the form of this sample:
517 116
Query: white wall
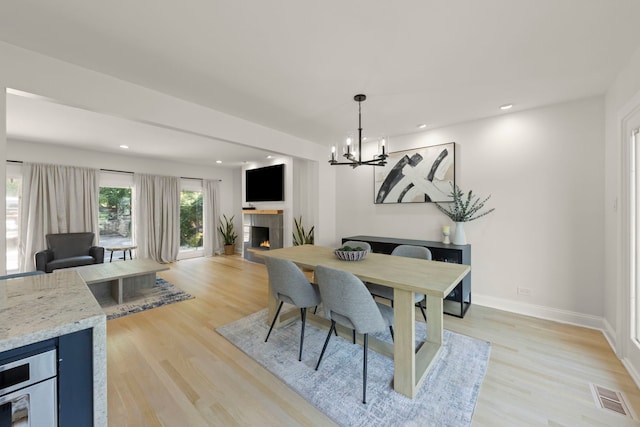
545 172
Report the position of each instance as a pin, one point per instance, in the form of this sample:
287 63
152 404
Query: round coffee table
123 248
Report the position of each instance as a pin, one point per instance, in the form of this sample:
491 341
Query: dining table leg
404 342
411 366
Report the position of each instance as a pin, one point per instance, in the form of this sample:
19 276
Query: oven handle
41 366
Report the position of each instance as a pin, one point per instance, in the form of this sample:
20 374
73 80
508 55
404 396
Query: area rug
447 397
162 293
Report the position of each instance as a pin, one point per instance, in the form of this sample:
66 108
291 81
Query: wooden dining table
406 276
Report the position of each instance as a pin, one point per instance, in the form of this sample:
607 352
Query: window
114 218
191 221
14 182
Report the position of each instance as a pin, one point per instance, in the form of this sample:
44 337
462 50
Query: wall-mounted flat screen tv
265 184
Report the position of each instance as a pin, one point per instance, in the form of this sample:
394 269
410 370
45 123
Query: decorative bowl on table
347 253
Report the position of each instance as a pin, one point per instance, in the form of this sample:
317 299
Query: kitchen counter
37 308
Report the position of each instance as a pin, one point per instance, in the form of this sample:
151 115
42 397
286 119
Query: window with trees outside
114 218
191 222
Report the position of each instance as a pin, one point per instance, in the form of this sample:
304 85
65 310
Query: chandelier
354 158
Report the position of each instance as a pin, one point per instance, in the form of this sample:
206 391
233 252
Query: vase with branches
464 207
228 233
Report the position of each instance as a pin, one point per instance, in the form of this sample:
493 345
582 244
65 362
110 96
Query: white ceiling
33 118
294 65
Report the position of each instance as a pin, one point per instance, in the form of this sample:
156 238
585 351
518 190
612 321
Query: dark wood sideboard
458 301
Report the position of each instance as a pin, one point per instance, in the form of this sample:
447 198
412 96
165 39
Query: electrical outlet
524 291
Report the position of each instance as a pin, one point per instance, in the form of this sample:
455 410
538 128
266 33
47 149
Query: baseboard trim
542 312
631 370
611 336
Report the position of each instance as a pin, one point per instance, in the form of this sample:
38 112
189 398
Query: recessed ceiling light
269 157
218 161
506 106
422 126
124 146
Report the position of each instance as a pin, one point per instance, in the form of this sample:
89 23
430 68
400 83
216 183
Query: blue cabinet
72 374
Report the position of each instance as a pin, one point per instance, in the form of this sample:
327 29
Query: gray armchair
69 250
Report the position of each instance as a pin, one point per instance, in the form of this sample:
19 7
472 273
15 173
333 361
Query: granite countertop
36 308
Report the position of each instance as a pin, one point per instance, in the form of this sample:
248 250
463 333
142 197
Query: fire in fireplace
259 237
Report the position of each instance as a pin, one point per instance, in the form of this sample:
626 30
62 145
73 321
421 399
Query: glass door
13 220
191 227
630 301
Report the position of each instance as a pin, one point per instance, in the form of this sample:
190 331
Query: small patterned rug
162 293
447 396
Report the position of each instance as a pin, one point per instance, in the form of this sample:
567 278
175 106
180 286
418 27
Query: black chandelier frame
353 161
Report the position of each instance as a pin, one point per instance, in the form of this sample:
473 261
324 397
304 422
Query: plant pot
229 249
460 238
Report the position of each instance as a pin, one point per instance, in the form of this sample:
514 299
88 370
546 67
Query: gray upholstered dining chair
386 292
356 244
347 302
289 284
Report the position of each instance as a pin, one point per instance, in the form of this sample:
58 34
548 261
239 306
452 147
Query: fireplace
262 230
259 237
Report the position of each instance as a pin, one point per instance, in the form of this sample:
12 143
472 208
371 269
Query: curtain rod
119 171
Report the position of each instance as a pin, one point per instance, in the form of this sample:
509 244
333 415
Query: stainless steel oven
28 391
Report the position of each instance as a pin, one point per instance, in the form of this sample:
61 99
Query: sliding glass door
14 181
191 227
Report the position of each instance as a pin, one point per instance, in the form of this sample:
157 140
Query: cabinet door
382 248
75 379
446 255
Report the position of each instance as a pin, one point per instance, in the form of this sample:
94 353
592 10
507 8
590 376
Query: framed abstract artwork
419 175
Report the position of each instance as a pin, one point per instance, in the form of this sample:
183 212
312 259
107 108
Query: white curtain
55 199
210 190
157 217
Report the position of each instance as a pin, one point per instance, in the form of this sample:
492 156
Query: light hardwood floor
168 366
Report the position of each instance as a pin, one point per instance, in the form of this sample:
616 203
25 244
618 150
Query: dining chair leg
364 369
354 335
424 313
303 317
391 330
315 309
331 329
274 321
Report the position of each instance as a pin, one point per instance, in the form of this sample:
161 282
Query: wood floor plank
168 366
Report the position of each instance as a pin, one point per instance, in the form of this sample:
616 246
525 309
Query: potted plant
229 234
464 208
300 235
